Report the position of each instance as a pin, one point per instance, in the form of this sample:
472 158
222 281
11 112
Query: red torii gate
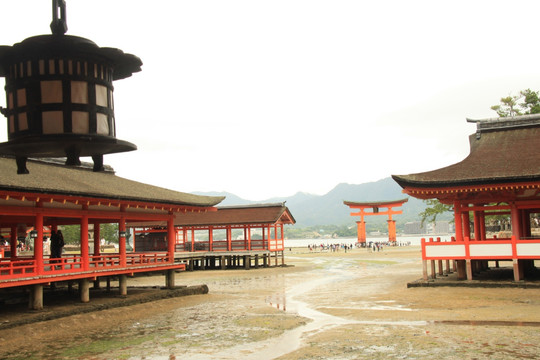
362 206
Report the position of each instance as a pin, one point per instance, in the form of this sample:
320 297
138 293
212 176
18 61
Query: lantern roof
43 46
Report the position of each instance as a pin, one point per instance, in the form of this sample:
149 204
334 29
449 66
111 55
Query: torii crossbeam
375 206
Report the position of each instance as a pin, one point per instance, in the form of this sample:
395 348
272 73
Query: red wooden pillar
38 243
466 224
267 229
483 226
361 231
84 243
249 237
468 264
171 237
13 241
122 241
229 238
458 220
184 239
515 221
97 238
392 230
516 224
210 238
525 222
477 231
192 239
274 240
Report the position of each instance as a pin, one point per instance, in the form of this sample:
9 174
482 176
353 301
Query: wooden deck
202 260
26 271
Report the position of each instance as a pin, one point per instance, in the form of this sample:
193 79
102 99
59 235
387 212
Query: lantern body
59 96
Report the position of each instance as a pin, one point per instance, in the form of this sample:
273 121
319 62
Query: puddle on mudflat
488 323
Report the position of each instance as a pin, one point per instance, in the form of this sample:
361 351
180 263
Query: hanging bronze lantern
60 96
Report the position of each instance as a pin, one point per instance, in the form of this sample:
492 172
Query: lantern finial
59 24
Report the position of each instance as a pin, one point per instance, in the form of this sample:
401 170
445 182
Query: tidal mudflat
325 305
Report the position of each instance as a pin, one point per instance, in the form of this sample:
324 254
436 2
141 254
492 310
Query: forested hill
328 209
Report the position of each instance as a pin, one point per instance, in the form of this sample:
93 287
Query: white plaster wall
490 250
435 251
528 249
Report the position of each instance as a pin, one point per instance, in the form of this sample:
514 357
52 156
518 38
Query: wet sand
353 305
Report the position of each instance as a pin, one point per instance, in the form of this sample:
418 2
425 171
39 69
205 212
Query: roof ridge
257 205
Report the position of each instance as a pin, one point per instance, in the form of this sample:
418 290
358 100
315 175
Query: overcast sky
268 98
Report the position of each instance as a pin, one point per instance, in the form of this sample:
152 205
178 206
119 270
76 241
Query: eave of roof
78 181
238 215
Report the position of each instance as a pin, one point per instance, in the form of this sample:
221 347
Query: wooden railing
20 267
236 245
497 249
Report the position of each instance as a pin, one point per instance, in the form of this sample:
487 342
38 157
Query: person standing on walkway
57 243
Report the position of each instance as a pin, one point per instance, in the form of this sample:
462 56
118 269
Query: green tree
526 102
434 209
109 232
72 233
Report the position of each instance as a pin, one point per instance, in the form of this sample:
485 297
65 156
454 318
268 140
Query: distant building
441 227
414 227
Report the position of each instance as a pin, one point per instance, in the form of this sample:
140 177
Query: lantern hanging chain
59 23
58 27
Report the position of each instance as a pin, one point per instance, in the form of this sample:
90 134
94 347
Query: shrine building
500 178
53 195
230 237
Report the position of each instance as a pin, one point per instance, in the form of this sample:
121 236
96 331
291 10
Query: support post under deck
169 279
122 284
35 300
84 290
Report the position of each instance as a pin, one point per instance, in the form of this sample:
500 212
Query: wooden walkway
203 260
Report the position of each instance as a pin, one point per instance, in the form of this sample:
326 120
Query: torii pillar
375 206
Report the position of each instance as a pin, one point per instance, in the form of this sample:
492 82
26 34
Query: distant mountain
328 209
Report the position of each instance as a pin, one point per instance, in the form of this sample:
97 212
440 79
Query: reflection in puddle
373 305
279 301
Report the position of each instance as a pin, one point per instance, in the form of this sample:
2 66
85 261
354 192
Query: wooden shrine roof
231 215
503 150
49 177
237 215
